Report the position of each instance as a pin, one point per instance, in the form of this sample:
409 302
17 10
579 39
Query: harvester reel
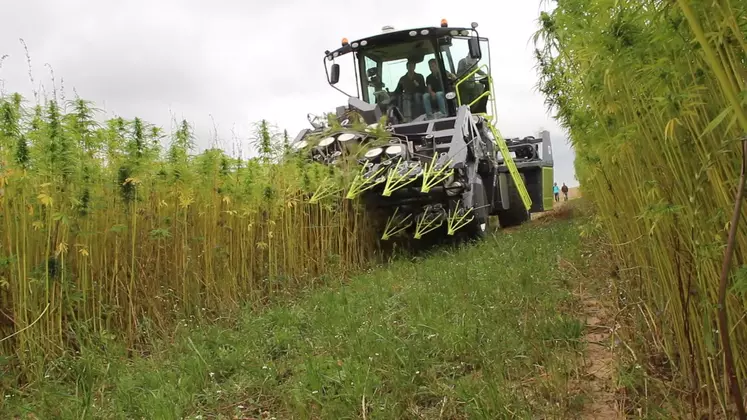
396 224
430 219
459 217
391 167
401 175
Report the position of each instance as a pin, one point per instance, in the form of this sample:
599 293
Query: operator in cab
411 88
435 91
470 88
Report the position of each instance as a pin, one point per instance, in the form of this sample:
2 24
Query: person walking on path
556 191
565 192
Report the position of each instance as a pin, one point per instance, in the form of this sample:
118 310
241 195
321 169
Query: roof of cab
397 36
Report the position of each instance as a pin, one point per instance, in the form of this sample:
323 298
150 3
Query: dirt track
598 369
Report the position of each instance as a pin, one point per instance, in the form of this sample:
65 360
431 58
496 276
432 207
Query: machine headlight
326 141
373 153
300 145
346 137
394 150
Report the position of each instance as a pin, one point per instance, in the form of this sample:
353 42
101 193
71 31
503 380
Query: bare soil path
599 363
598 383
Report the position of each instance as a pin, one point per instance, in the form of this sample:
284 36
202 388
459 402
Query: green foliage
655 137
105 228
483 332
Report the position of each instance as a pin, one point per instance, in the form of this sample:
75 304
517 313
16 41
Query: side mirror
474 48
334 76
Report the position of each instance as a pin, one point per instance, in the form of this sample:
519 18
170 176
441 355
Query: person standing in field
556 191
565 192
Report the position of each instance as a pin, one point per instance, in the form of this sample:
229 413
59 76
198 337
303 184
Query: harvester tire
479 227
516 214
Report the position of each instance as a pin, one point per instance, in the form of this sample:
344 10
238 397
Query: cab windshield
406 74
414 78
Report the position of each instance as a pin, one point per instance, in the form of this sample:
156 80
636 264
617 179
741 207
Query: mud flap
538 181
548 175
503 188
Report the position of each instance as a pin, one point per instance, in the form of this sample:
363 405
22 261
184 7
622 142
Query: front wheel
479 227
516 214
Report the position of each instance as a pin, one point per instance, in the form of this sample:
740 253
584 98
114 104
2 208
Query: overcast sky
235 62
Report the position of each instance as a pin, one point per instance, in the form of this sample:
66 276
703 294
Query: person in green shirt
556 191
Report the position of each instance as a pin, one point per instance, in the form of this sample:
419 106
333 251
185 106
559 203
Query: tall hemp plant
653 96
117 231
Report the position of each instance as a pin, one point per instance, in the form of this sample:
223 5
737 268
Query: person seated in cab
381 96
470 88
467 65
435 91
411 87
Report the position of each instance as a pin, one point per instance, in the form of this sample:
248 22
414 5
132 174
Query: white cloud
241 61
